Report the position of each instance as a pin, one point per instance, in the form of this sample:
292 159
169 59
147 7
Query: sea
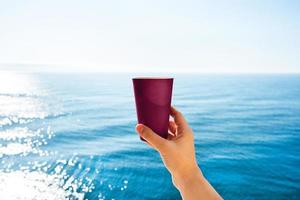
72 136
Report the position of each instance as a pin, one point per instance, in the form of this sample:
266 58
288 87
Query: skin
178 155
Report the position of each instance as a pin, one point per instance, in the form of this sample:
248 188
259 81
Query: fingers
155 140
171 136
172 127
178 118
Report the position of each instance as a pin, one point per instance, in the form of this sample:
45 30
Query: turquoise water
71 136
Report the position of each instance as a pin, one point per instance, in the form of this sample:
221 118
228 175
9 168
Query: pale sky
153 35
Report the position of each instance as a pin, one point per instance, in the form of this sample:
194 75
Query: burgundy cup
153 102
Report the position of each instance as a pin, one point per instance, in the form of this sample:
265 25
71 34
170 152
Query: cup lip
152 78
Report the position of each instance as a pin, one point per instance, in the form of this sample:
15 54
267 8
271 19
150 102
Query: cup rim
151 78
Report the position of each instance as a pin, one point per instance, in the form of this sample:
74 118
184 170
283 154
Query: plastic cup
153 102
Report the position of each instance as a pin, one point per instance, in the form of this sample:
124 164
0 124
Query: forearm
194 186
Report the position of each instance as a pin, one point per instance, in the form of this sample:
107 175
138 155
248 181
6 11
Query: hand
177 152
178 155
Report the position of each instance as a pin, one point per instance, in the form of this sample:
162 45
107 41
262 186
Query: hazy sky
177 36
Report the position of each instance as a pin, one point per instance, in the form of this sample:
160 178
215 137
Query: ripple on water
36 185
22 140
22 110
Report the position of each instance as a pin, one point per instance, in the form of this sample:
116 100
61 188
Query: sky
232 36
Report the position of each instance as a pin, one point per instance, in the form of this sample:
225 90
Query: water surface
71 136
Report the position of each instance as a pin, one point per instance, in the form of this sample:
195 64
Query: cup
153 102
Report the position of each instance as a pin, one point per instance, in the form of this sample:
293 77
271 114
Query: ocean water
71 136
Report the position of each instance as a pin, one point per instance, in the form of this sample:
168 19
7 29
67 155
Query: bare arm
178 155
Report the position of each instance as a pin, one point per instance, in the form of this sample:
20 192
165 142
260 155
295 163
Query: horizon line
69 68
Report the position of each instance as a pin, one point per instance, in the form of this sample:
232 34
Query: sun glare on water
21 105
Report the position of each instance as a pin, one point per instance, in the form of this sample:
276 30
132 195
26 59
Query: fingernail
140 128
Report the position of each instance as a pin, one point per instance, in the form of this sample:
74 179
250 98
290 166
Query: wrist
187 176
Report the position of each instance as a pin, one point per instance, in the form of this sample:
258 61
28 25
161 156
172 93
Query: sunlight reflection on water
19 106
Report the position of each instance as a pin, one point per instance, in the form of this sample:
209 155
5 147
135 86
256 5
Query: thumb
155 140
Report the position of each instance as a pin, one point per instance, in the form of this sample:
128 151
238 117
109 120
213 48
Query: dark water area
71 136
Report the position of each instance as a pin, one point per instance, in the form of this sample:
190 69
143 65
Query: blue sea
71 136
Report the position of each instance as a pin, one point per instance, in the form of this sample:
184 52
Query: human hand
178 155
177 151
